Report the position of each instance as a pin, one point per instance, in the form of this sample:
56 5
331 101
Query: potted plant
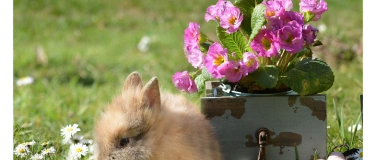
264 48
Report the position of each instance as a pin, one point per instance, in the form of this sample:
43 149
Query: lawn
80 52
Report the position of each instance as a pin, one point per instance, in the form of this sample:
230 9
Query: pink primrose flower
309 34
192 35
290 37
313 7
231 19
265 43
274 24
183 82
235 71
195 57
213 12
191 45
250 62
292 16
215 60
273 9
287 4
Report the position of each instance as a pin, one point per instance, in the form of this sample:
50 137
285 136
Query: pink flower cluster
285 30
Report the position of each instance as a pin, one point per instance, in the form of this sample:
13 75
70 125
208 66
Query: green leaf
204 47
258 19
317 43
246 25
247 6
201 79
308 16
309 76
305 52
266 76
234 42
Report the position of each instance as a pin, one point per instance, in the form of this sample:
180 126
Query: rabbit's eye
124 142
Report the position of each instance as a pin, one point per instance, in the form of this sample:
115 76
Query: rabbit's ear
133 81
152 94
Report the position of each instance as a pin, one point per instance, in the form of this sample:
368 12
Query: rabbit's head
122 130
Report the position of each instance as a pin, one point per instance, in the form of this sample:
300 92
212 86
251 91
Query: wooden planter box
290 120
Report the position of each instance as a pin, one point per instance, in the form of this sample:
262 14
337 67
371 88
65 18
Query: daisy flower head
47 151
69 130
25 81
360 154
44 144
30 143
37 156
21 150
354 154
352 128
78 150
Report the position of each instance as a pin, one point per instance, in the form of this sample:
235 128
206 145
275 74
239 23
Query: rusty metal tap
262 135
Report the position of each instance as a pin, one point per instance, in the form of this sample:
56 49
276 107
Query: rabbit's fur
142 124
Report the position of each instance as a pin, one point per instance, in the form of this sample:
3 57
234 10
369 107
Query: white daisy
25 81
352 128
143 45
69 130
359 155
50 150
37 156
44 144
322 28
67 140
21 150
81 139
29 143
78 150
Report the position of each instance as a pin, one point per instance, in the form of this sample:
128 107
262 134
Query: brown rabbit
142 124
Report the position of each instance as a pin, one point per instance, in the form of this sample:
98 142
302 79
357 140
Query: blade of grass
339 118
296 152
315 155
356 129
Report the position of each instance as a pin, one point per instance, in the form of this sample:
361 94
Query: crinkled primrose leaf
309 76
266 76
234 42
258 20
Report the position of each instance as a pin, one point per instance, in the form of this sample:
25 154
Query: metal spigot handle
262 135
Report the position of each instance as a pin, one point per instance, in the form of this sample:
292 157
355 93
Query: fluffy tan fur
156 126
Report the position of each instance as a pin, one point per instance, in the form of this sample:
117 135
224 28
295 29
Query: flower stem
281 60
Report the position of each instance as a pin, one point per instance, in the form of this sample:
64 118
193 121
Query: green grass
92 46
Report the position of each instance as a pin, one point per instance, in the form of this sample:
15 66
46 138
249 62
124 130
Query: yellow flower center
232 20
21 151
270 13
78 150
289 38
218 61
70 129
266 43
249 63
361 154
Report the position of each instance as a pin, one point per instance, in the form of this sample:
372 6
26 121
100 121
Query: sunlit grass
91 46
